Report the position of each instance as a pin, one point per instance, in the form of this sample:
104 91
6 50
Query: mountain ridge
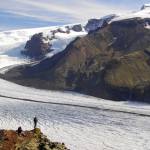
85 65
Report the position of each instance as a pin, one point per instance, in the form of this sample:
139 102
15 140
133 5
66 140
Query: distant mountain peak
94 24
145 6
143 13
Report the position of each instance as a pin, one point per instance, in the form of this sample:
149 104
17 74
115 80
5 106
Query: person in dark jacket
35 122
19 131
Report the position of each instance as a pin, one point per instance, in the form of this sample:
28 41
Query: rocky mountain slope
111 62
28 140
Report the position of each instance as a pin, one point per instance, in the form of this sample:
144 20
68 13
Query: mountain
111 62
27 140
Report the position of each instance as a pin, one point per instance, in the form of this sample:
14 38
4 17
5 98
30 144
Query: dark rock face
145 6
112 62
37 46
77 28
94 24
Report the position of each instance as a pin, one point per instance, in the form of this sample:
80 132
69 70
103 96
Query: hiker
35 122
19 131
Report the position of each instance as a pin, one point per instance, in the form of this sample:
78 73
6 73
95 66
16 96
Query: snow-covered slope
13 42
143 13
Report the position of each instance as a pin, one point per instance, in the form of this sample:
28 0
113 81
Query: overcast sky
35 13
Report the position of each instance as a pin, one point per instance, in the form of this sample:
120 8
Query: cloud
35 13
62 11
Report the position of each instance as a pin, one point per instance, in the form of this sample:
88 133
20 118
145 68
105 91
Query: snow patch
145 6
143 13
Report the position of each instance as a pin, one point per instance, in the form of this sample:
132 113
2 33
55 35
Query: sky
16 14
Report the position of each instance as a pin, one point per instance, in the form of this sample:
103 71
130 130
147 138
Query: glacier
82 122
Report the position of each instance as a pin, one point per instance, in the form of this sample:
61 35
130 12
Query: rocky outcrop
112 63
94 24
77 28
27 140
145 6
37 46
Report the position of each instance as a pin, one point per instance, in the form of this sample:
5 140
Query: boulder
94 24
37 46
77 28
